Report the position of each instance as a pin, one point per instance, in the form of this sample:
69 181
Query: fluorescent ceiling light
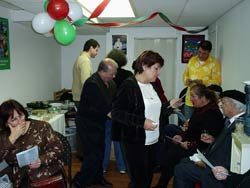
115 8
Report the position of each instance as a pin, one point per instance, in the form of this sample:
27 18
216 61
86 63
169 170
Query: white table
57 122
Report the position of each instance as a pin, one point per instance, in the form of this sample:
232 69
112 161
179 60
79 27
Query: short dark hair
205 45
119 57
7 109
89 43
147 58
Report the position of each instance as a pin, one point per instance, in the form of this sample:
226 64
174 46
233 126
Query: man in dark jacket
94 109
187 173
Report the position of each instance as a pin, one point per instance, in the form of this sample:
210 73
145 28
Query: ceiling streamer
61 18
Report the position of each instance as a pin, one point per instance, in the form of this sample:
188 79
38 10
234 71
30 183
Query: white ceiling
186 13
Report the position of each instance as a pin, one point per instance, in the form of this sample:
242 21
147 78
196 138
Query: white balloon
75 11
43 23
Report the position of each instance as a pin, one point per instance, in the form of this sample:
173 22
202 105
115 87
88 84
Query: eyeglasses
17 119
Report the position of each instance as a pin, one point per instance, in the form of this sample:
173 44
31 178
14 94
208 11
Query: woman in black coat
137 109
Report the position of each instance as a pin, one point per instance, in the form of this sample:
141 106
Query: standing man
82 69
187 173
94 109
202 68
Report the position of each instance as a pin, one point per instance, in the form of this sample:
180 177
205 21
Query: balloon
58 9
42 23
45 5
75 11
64 32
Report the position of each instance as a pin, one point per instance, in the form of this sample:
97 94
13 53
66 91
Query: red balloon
58 9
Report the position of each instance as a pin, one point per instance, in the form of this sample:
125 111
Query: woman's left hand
35 164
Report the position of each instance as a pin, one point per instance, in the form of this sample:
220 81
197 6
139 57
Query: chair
58 94
67 155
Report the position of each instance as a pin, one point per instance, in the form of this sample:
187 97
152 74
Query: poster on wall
120 42
4 44
190 46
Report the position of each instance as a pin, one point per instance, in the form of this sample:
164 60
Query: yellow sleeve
216 74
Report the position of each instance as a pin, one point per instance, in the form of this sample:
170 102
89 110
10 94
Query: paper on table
26 157
204 159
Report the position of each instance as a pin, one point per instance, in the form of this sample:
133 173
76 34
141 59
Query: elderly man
95 105
187 173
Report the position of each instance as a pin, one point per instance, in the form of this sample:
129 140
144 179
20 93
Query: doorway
166 47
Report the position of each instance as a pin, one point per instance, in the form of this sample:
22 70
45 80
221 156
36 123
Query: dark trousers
173 156
187 174
92 137
140 161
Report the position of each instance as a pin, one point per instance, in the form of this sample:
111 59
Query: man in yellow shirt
202 68
82 69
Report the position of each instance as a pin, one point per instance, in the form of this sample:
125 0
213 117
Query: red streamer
99 9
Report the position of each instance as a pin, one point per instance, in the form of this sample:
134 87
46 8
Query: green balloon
45 5
64 32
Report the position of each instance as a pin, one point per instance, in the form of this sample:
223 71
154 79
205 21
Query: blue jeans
117 147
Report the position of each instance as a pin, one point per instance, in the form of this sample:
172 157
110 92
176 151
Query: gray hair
240 107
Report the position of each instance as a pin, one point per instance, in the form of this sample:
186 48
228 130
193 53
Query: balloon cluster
57 18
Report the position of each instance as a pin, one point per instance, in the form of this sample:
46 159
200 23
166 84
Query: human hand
35 164
200 164
190 82
185 145
220 172
150 125
206 137
175 103
177 139
17 131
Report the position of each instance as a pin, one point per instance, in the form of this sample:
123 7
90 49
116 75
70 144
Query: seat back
67 155
58 94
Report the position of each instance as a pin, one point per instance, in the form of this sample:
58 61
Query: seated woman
18 133
206 117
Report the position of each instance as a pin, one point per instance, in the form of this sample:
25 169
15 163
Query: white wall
35 65
40 66
233 46
153 32
71 52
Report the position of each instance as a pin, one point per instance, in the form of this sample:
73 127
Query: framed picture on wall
190 46
119 42
4 44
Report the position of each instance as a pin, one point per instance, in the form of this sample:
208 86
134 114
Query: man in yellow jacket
202 68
